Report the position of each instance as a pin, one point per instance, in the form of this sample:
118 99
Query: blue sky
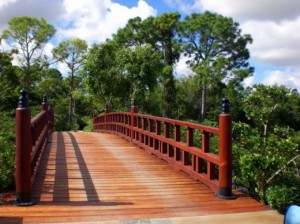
273 24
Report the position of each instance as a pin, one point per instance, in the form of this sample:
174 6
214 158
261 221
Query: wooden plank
97 177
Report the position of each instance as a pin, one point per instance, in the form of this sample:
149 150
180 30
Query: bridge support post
225 153
133 121
23 151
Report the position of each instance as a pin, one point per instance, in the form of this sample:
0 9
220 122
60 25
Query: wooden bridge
132 167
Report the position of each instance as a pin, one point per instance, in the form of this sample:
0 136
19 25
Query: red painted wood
198 162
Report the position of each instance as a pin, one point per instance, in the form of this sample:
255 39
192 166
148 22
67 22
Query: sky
273 24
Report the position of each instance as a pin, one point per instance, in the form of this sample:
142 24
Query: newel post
44 105
133 120
23 151
225 153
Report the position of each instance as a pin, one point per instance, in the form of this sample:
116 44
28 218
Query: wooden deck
92 177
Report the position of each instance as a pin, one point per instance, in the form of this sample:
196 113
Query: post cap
44 101
133 104
23 99
225 106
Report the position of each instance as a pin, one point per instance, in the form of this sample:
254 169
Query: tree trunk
70 110
169 97
203 105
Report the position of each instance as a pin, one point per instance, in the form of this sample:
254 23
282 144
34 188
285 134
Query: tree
267 155
72 52
141 66
9 82
216 50
165 29
103 75
29 35
120 74
264 105
160 32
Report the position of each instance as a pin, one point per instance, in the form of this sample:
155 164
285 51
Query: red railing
175 142
31 135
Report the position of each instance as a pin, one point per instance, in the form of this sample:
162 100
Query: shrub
7 152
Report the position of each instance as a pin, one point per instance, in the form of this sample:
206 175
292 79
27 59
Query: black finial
23 99
225 106
106 107
133 103
44 101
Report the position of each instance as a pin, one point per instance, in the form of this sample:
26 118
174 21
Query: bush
7 152
280 197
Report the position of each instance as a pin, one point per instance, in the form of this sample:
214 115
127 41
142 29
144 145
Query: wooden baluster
151 122
164 147
133 119
189 142
158 132
143 120
177 139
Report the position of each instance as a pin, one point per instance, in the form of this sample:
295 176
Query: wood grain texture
97 177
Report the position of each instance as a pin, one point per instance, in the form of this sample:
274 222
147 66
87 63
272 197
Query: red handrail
31 135
154 135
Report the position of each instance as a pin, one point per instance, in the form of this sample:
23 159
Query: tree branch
282 168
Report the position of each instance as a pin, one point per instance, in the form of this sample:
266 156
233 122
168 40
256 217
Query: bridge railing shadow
59 188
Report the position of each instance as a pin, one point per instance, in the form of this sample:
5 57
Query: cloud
241 10
92 20
181 68
248 81
50 10
274 26
5 2
275 43
289 77
185 6
95 21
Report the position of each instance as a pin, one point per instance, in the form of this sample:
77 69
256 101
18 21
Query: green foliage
266 156
72 52
28 35
281 196
88 123
217 53
9 82
7 152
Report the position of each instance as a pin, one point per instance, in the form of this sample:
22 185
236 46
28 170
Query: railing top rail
38 117
201 127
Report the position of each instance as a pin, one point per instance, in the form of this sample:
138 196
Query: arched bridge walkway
96 176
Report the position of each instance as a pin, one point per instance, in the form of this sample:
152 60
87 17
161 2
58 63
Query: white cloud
96 21
185 6
5 2
248 81
50 10
289 77
181 68
92 20
242 10
275 43
274 26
